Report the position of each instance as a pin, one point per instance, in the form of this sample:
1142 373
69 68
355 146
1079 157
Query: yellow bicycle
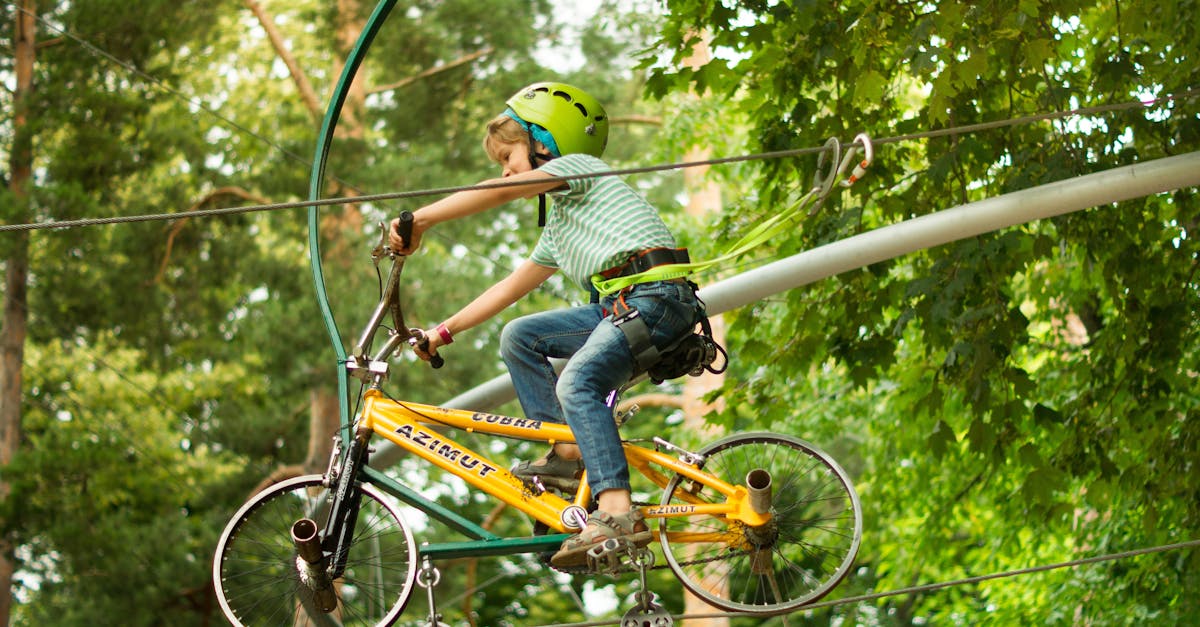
759 523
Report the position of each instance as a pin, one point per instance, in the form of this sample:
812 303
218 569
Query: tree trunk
12 335
324 416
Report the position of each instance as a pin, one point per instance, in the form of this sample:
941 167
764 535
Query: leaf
941 438
971 69
1045 415
1039 486
870 86
1022 384
981 436
1030 456
1038 51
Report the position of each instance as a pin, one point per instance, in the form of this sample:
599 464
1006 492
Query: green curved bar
485 542
316 183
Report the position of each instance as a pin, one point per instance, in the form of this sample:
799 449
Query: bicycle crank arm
312 565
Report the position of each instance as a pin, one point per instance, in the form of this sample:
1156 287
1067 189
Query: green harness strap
766 229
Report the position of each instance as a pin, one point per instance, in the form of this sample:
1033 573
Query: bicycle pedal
606 557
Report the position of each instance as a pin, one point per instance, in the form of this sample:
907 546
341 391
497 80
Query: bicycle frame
717 518
408 425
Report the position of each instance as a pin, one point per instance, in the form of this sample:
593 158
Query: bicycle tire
257 580
806 550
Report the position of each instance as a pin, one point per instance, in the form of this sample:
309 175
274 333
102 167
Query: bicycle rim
807 548
255 573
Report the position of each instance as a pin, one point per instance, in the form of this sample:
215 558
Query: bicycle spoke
805 549
255 569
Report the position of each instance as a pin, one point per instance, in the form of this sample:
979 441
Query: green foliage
111 500
204 330
1023 397
1020 398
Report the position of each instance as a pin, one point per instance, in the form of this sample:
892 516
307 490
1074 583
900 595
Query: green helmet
576 120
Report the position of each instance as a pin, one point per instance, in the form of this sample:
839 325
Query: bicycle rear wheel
255 571
797 558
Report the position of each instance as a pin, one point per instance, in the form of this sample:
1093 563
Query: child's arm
470 202
492 301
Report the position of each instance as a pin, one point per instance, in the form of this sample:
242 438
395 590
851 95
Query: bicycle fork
321 557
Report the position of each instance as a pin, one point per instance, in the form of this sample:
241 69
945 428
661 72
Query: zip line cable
778 154
367 198
932 587
132 69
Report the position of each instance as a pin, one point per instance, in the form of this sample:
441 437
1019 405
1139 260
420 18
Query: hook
861 167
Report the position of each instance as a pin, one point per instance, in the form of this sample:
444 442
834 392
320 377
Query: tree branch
307 94
656 399
433 70
651 120
178 225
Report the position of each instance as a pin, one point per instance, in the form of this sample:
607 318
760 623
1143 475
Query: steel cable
779 154
929 587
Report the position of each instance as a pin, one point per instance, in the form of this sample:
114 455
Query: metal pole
961 222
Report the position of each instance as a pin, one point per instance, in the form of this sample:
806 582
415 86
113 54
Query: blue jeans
600 361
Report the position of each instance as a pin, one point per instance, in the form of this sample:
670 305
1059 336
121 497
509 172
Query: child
597 225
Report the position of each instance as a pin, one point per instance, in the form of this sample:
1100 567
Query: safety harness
692 353
695 352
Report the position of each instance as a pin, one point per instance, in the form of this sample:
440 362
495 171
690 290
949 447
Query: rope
767 229
778 154
933 586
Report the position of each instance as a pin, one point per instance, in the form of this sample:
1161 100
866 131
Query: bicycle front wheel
800 555
255 569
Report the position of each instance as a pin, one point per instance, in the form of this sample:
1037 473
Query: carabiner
861 167
822 186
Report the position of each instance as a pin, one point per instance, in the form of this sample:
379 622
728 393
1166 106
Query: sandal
602 526
557 472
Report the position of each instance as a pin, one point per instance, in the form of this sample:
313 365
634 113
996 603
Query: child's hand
399 245
426 344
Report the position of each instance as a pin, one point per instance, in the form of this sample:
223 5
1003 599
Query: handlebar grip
422 342
404 227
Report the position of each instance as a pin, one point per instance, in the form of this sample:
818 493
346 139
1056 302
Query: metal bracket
685 456
427 578
331 473
648 612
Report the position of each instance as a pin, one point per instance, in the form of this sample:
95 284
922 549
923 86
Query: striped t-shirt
596 223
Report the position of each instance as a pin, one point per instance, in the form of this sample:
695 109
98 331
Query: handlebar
389 302
404 227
